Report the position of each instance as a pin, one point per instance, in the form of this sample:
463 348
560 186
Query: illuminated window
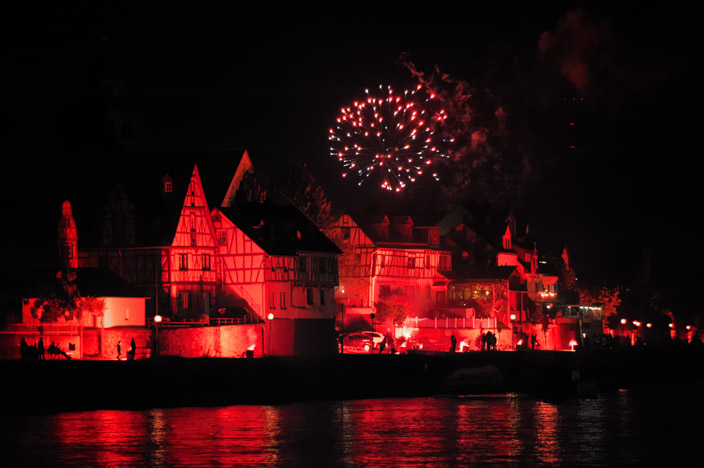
222 237
184 300
67 249
444 262
183 261
206 262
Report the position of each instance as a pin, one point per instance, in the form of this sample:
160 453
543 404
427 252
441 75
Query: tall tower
67 239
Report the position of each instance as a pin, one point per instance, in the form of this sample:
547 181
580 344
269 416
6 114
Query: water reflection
395 432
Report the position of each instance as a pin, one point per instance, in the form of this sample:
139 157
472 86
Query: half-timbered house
386 256
257 261
285 269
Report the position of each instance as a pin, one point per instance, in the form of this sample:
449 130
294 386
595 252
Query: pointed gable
244 167
195 226
507 238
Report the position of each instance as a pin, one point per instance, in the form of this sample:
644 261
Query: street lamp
157 321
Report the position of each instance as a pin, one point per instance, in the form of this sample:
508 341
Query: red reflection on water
105 438
429 432
232 436
546 428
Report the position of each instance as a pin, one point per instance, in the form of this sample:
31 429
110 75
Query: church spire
67 238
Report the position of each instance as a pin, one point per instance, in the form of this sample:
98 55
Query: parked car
365 342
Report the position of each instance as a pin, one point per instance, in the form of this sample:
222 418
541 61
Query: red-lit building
496 268
255 261
385 257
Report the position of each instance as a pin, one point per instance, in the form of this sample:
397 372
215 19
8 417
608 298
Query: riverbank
47 386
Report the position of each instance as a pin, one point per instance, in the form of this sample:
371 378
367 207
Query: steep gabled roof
279 229
482 273
140 177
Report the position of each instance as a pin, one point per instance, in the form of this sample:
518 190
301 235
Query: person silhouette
119 349
23 348
40 350
453 343
132 351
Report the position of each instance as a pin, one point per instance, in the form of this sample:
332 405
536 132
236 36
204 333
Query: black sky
271 79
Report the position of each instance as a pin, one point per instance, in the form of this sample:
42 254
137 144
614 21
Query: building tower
67 238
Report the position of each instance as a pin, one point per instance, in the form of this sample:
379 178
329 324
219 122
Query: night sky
271 80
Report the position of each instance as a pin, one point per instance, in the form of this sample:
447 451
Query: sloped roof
93 282
100 282
366 221
140 176
482 273
279 229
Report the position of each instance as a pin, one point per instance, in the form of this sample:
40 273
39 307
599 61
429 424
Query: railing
213 322
455 322
48 329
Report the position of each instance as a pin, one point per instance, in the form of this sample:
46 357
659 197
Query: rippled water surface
613 430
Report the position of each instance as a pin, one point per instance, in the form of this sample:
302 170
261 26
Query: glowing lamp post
157 321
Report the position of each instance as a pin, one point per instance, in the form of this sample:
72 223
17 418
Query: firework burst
389 138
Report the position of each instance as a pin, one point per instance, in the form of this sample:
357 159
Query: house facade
255 262
387 258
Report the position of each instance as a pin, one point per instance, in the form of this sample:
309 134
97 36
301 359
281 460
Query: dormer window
167 184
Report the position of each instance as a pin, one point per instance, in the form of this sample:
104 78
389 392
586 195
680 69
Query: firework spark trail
390 136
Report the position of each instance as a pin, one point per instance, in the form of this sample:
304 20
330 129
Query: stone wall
111 336
225 341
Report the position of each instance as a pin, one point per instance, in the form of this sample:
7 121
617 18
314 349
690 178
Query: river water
614 429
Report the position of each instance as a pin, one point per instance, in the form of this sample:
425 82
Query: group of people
37 350
487 341
130 352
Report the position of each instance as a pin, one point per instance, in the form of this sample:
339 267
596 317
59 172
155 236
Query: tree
61 299
608 298
394 308
300 185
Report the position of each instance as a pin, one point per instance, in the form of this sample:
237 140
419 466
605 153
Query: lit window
184 299
67 250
